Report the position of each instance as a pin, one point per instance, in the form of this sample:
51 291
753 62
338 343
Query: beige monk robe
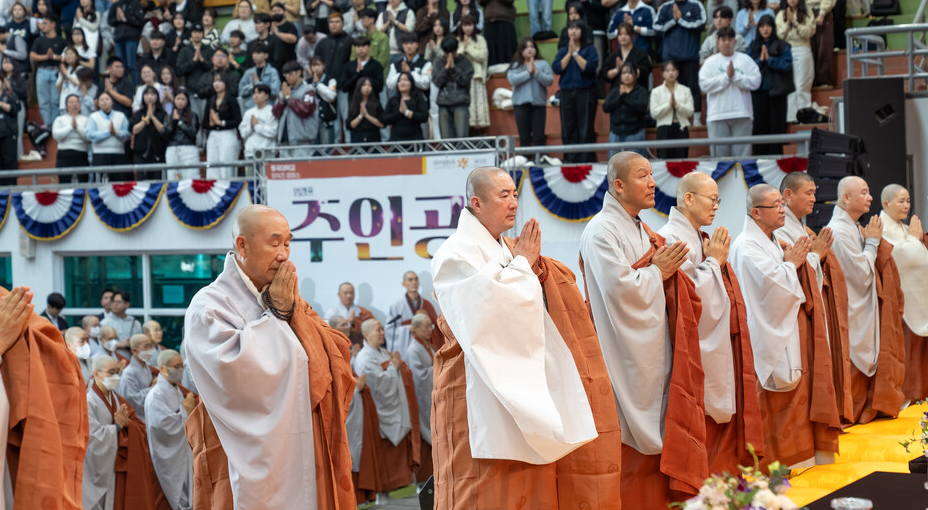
790 232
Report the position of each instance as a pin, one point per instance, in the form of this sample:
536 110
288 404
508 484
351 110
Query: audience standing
530 76
221 123
680 22
671 105
576 65
453 77
795 26
775 61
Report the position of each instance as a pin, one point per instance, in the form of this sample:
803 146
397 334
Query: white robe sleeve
911 258
100 459
858 264
389 395
134 389
420 364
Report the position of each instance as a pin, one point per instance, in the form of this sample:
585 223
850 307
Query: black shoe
543 35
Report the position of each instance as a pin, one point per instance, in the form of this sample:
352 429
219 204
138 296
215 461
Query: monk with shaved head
646 311
519 418
733 418
911 256
274 381
874 303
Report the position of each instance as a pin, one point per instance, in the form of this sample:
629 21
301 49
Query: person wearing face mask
108 344
137 378
91 325
167 406
253 316
78 342
115 433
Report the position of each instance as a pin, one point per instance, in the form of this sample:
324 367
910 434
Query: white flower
695 503
761 484
713 496
765 498
786 503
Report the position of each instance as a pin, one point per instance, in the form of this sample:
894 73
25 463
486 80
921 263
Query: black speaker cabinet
874 110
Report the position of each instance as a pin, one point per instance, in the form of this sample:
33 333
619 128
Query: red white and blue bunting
48 215
571 193
199 204
4 207
575 193
123 207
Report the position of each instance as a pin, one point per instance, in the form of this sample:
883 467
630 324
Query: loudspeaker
875 112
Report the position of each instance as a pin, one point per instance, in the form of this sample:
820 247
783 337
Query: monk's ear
618 186
475 203
240 243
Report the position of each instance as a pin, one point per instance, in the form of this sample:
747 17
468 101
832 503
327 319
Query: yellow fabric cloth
863 450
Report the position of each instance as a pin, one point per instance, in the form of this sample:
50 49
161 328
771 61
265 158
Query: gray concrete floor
398 504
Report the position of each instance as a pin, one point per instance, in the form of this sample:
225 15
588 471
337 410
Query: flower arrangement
921 439
749 490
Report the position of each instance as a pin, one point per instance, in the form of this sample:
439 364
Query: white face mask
111 382
83 352
110 345
176 375
95 332
145 355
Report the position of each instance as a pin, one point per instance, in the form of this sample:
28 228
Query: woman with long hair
87 19
626 53
473 46
575 11
774 58
671 106
67 83
433 53
148 144
530 76
180 132
576 66
796 26
746 20
406 111
70 131
168 81
365 113
466 8
627 106
149 79
426 16
211 36
221 124
18 84
88 55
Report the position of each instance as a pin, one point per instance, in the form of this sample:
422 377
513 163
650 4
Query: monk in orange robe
562 469
304 391
43 392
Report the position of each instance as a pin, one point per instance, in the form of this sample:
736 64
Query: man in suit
54 305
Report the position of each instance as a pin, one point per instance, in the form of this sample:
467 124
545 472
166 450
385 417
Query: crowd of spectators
147 82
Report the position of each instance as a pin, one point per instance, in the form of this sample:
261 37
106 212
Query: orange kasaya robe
677 473
331 386
397 463
367 478
48 427
355 334
916 361
799 422
834 293
882 393
137 486
588 477
727 443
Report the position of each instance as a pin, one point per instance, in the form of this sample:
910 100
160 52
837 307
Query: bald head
760 194
620 164
139 342
854 196
103 363
848 186
697 198
261 237
890 192
693 182
480 181
794 181
167 357
250 219
75 335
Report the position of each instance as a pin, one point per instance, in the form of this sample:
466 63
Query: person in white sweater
259 126
727 78
70 131
108 129
671 107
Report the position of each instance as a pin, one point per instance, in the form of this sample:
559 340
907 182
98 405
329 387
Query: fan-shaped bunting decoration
4 207
571 193
199 204
122 207
771 171
48 215
667 175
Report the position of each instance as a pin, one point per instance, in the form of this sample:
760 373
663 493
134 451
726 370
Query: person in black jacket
180 132
335 50
127 19
365 113
193 62
406 111
452 76
9 131
626 53
221 123
147 123
627 106
774 58
220 61
362 67
159 55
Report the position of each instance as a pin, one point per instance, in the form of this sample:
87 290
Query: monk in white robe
911 256
857 249
733 419
419 357
399 336
630 271
275 382
107 345
347 308
798 190
78 342
167 408
525 406
137 378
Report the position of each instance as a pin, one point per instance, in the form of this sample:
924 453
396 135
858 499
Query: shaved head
693 182
697 198
167 356
479 181
368 326
102 362
249 220
261 242
758 194
136 341
890 192
620 164
794 181
854 196
74 334
848 185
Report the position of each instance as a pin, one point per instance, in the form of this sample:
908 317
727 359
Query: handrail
802 136
915 50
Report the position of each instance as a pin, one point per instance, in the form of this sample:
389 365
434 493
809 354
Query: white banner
368 222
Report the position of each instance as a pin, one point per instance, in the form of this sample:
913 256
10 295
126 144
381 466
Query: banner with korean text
358 222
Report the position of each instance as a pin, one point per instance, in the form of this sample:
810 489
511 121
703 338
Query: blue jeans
47 94
638 136
545 15
126 51
454 121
